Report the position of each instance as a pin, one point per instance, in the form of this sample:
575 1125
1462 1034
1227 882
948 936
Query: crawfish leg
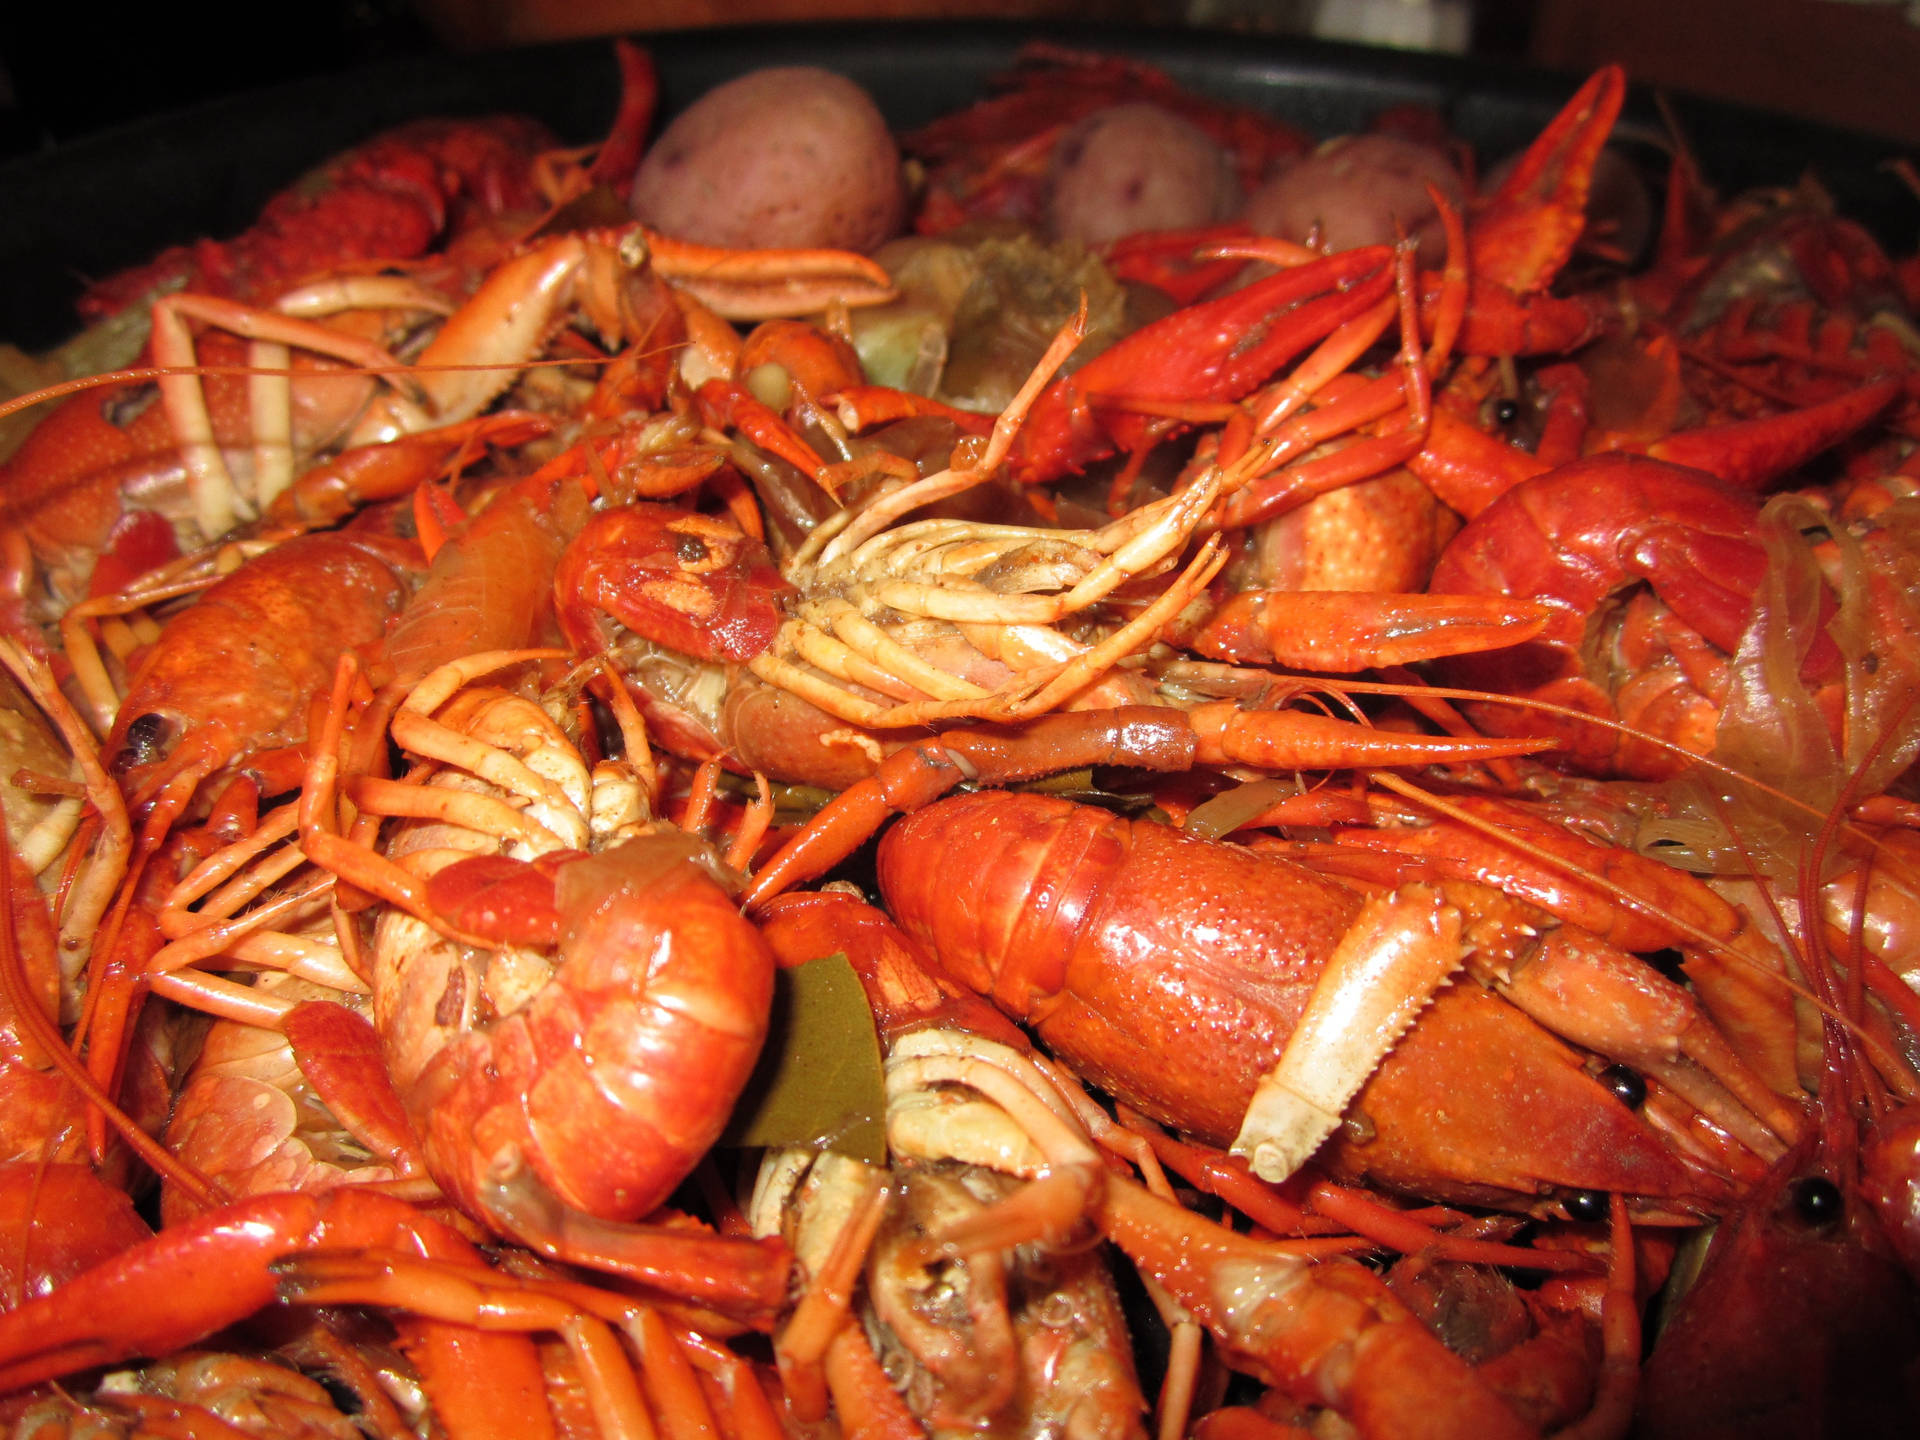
1150 737
1327 1333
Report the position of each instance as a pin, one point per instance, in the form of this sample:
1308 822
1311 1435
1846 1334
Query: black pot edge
113 199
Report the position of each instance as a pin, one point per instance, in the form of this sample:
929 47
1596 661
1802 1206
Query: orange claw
1351 630
783 366
1302 740
1185 264
620 152
1286 476
1528 229
1216 350
209 1272
763 284
1469 469
1753 453
1524 234
1521 863
330 492
1615 1003
863 407
727 405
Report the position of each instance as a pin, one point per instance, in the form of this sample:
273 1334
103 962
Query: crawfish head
1787 252
1020 1340
1842 1357
693 583
232 674
142 742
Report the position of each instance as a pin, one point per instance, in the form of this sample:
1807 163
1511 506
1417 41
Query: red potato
791 156
1137 167
1354 190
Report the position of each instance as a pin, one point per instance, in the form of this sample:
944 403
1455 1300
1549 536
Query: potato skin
1137 167
1354 189
788 156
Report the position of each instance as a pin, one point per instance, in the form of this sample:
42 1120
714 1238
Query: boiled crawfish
502 963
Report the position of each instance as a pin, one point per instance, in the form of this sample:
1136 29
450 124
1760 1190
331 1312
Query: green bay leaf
819 1082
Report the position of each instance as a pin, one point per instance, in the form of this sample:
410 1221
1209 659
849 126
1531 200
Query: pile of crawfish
1391 762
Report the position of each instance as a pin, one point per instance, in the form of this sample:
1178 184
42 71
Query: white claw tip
1281 1130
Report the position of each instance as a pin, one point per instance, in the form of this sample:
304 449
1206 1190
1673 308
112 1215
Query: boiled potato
788 157
1137 167
1354 191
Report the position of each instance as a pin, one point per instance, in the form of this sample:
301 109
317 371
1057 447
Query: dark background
113 63
66 71
160 125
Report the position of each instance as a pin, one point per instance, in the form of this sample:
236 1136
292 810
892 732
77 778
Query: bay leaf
819 1082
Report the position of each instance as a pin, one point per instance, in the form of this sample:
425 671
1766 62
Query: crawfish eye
146 736
125 406
1506 411
690 549
1627 1086
1816 1199
1585 1204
